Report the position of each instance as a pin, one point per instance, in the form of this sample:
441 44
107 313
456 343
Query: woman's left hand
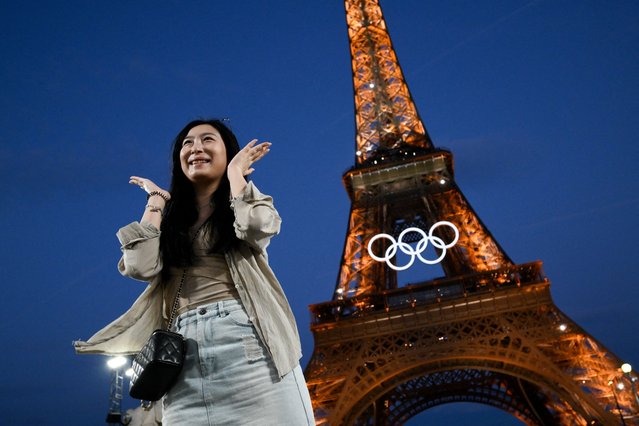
248 155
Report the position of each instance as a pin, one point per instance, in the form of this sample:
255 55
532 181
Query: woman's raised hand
249 155
148 186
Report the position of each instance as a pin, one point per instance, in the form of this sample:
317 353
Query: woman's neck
203 201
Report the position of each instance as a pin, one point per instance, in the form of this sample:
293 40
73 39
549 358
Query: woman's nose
196 146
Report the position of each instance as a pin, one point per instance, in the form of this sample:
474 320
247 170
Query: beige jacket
256 221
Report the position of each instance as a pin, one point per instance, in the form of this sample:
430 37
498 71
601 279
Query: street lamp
116 362
627 368
612 386
114 415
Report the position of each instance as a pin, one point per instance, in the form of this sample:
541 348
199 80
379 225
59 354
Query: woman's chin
200 178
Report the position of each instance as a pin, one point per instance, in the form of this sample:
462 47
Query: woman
210 231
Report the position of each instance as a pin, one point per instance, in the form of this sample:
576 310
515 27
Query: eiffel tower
487 332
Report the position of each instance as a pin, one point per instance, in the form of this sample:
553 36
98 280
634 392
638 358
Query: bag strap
176 301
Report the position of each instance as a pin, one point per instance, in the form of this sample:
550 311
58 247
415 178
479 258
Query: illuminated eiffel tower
488 332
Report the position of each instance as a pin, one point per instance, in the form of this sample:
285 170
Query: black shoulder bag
158 364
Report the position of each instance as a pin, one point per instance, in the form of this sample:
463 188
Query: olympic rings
418 250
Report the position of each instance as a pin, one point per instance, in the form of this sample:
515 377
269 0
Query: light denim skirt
228 376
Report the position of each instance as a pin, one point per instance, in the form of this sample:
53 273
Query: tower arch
522 393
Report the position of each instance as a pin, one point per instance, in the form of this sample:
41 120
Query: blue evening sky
538 101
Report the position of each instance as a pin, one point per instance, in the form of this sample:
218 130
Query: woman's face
203 155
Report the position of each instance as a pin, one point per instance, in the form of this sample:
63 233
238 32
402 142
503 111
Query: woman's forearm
156 200
240 165
236 178
153 211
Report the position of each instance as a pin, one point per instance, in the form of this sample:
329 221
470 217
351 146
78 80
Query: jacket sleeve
256 219
141 258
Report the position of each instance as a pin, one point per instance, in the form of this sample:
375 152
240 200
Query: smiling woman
203 155
202 247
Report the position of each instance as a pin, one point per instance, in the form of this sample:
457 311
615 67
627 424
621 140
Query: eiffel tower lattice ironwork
487 332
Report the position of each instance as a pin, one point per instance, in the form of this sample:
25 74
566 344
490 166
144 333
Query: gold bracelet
154 209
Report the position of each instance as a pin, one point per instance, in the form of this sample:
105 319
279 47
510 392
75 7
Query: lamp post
612 385
627 368
114 415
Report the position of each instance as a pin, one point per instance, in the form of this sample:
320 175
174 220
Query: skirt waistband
215 309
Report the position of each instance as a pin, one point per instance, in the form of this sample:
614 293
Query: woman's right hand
148 186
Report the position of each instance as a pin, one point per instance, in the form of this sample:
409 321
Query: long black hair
181 211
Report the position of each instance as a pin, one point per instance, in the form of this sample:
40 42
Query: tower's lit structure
487 332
